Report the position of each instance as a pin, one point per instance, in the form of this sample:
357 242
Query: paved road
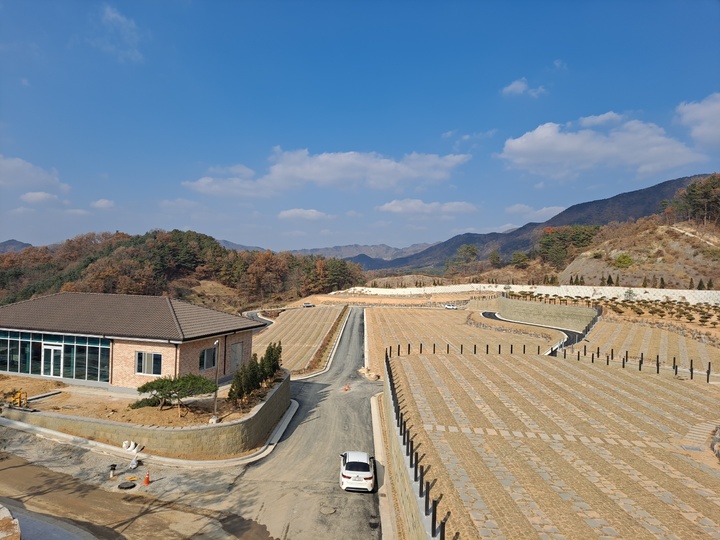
293 493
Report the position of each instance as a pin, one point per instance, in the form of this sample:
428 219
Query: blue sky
291 125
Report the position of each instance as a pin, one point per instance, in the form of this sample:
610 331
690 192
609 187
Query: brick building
120 341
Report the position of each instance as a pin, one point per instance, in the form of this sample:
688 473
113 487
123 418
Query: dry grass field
301 332
530 446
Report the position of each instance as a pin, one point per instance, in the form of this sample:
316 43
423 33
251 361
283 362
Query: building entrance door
52 361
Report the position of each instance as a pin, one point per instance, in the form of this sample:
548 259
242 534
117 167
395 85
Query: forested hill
167 263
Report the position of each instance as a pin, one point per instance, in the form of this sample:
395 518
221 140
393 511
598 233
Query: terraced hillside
667 342
531 446
301 332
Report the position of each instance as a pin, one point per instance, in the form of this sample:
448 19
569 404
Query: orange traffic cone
146 482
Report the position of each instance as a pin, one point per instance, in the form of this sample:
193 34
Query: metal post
523 348
592 358
408 349
511 348
427 497
708 372
421 492
448 349
415 468
461 348
691 369
420 348
433 348
475 349
433 520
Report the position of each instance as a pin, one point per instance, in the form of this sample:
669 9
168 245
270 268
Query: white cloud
120 36
353 214
416 206
449 134
301 213
520 86
601 119
296 168
531 214
38 197
703 119
559 65
559 152
102 203
18 173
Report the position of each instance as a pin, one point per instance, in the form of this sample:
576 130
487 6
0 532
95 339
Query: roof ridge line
175 318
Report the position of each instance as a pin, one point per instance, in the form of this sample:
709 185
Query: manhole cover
327 510
126 485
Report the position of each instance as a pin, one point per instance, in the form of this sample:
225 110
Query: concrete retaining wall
397 471
217 441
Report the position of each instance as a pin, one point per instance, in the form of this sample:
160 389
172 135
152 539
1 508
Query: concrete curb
148 458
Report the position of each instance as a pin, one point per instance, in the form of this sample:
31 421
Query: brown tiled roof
118 315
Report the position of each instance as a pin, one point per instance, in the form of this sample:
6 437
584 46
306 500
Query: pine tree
582 280
662 282
645 282
701 285
610 280
691 285
709 284
603 281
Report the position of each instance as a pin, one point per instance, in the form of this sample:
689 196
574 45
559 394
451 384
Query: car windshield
357 466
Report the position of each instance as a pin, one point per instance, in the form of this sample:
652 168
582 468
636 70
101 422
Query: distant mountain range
633 204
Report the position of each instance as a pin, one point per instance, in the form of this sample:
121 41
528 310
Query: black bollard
398 349
708 372
584 350
640 363
607 359
448 349
675 368
461 348
564 353
442 528
434 517
487 349
415 469
612 354
433 348
420 348
674 365
578 356
623 362
421 492
657 366
427 497
592 358
538 349
691 369
409 448
523 348
499 348
408 348
475 349
511 348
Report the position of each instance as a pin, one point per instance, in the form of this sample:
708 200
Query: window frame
148 359
203 358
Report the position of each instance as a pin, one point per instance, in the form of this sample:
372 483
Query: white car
357 471
450 306
308 304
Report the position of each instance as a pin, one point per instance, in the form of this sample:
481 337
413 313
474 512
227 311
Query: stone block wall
217 441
